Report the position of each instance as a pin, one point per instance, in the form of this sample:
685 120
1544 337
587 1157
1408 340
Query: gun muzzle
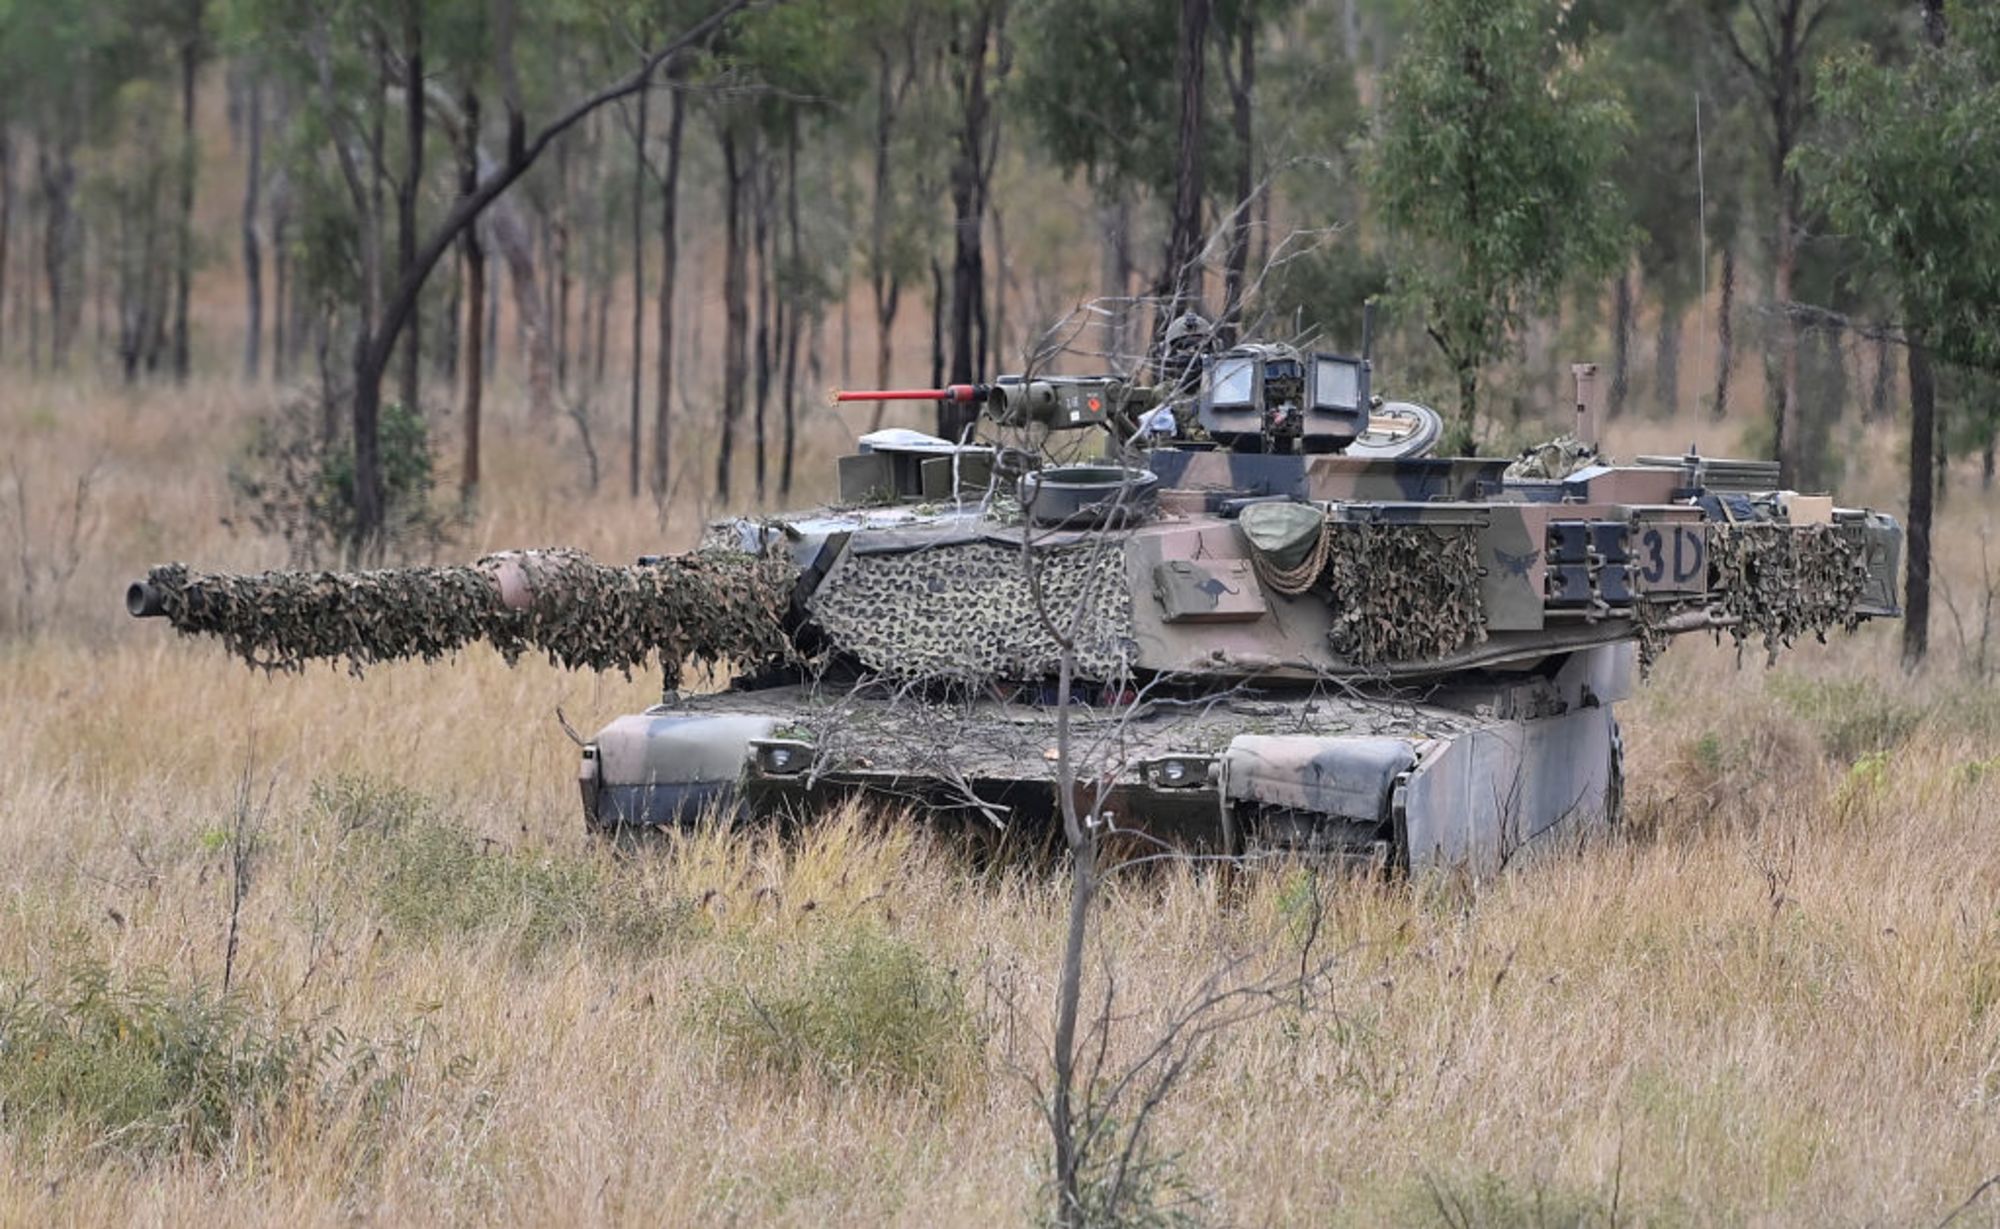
143 600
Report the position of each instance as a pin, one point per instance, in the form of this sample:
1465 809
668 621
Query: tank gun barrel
705 607
1055 402
961 393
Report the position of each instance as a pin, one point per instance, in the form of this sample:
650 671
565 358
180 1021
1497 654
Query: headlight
1179 771
782 757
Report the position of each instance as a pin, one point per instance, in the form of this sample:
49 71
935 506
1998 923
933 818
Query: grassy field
1774 999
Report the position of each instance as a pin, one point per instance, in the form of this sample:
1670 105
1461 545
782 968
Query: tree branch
520 156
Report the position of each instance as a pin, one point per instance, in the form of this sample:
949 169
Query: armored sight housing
1269 616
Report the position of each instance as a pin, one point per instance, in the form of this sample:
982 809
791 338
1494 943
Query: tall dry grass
1771 1000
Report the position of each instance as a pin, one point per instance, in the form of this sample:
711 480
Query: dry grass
1772 1001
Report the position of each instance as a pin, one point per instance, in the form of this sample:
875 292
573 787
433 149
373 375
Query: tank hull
1470 776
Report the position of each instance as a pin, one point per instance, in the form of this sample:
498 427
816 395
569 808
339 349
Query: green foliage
435 881
295 480
1492 163
1321 292
1094 79
1647 53
1143 1191
149 1068
1491 1200
1854 718
141 1065
1907 167
852 1004
803 54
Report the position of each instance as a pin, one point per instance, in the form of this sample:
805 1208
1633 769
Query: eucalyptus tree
1492 163
63 71
1116 127
1907 167
317 34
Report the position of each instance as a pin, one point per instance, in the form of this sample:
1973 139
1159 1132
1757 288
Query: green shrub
291 480
1115 1191
1853 717
1492 1201
438 880
365 804
149 1068
141 1064
433 879
855 1005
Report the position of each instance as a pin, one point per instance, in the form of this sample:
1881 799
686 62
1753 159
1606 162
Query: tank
1242 609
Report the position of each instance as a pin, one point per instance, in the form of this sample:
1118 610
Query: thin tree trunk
408 192
940 304
1923 439
536 404
25 292
1242 95
793 315
1621 343
184 253
638 295
669 269
1184 237
253 257
1941 434
760 216
736 309
100 294
1725 334
1667 359
6 221
968 268
473 254
283 337
1878 393
994 360
1114 220
445 364
509 234
1790 442
56 168
885 282
1468 400
1072 1212
560 237
603 262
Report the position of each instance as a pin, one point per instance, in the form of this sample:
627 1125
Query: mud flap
1479 800
1311 794
658 768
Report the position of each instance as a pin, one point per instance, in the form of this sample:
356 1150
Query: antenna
1701 234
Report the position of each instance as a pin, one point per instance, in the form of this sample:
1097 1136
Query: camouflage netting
1399 593
966 612
1402 593
1558 458
1784 581
707 607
